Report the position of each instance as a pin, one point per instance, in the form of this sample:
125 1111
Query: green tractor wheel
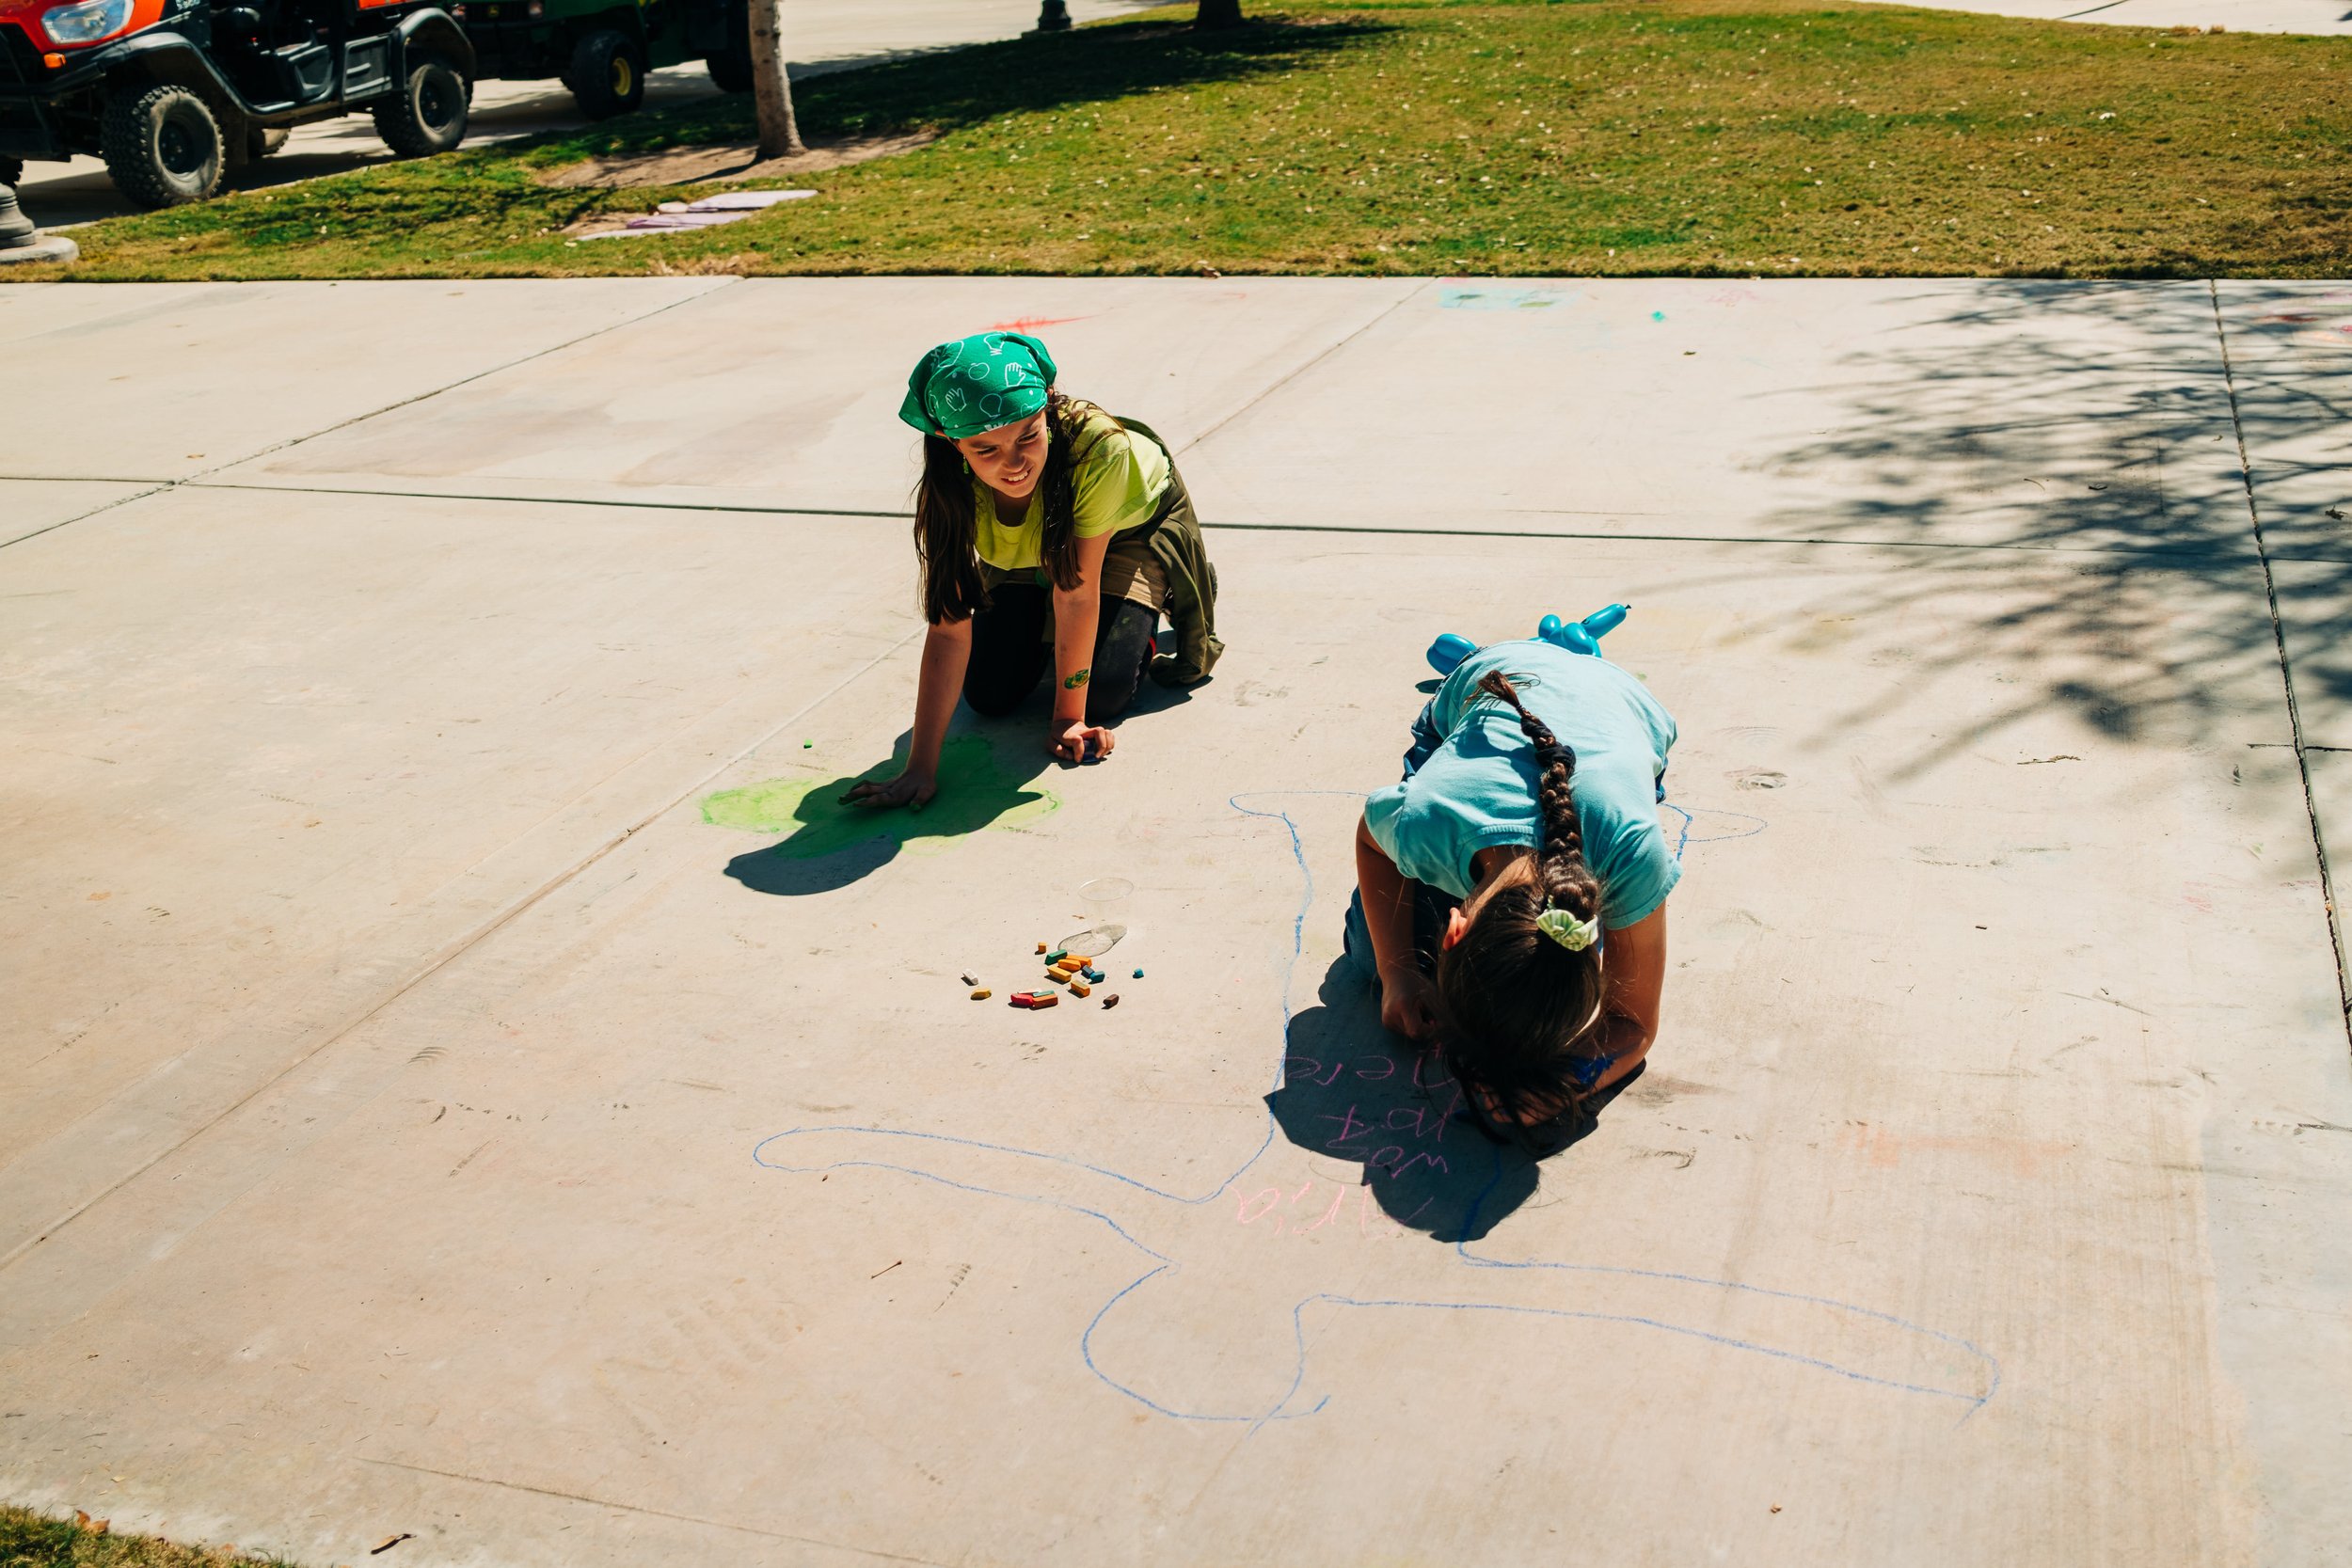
730 71
430 115
606 74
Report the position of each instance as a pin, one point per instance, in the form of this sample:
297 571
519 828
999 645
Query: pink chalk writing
1306 1210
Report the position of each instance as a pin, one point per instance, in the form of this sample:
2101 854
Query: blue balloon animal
1578 637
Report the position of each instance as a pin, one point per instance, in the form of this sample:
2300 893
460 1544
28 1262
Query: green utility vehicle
601 51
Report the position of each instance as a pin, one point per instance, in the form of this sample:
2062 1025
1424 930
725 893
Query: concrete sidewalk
2322 17
465 1076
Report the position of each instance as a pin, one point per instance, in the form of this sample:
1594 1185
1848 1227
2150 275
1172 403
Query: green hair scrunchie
977 383
1564 928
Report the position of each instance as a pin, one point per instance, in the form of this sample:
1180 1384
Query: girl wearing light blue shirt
1526 830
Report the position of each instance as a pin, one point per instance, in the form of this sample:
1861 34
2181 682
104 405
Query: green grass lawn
1433 137
29 1539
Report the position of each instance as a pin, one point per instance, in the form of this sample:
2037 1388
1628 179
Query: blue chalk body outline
1163 1263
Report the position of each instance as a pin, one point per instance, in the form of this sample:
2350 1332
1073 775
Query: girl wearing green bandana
1051 538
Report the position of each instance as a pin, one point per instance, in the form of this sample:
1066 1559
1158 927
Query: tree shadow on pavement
831 844
2055 467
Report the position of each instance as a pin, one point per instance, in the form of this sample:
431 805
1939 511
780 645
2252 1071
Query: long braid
1560 862
1517 1002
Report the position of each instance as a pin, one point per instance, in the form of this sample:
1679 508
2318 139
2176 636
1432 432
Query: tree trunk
772 88
1218 14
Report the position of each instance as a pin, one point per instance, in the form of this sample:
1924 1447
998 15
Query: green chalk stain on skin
975 792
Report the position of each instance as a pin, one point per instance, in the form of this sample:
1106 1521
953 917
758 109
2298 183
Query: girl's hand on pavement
1408 1003
1068 738
908 789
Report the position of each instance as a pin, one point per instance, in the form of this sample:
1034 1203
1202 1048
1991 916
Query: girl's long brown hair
1517 1002
946 516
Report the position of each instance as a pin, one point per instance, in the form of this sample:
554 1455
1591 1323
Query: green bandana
977 384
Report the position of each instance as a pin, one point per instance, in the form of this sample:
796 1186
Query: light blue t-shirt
1477 789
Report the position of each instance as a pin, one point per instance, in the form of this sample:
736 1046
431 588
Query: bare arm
1407 1000
1076 613
1635 956
947 650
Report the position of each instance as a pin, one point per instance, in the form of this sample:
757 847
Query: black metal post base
15 228
20 241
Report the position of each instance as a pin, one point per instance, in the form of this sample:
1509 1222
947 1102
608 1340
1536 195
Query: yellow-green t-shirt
1117 480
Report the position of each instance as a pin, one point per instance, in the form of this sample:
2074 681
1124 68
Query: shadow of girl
830 844
1353 1091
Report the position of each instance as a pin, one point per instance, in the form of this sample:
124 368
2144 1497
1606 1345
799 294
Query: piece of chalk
1041 947
1042 999
1095 974
971 980
1111 1000
1079 988
983 995
1056 956
1139 974
806 744
1018 999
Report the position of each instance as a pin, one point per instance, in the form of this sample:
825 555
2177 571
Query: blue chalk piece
1139 974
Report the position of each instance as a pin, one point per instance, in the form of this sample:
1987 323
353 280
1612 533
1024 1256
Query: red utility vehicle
175 94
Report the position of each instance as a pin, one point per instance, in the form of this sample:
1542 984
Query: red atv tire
163 147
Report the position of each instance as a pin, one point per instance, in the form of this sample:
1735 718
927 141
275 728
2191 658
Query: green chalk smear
975 792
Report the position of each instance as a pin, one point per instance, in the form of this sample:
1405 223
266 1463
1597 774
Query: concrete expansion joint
2286 664
2185 553
203 474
